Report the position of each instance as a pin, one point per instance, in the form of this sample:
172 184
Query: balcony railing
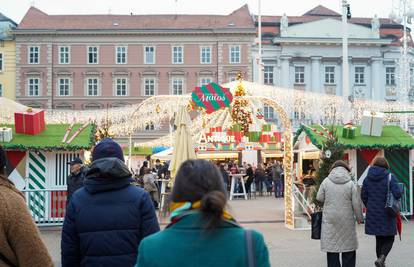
359 91
390 93
330 89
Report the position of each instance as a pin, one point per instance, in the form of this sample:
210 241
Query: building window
177 86
1 90
299 115
329 74
1 62
64 87
33 87
390 76
150 127
92 86
268 113
268 75
178 55
149 55
149 86
34 54
359 75
235 54
205 80
233 78
121 55
205 55
299 74
64 55
92 55
121 85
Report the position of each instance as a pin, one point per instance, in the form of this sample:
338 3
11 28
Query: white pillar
285 71
316 77
260 71
376 84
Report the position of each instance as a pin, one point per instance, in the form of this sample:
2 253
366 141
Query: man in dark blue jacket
107 218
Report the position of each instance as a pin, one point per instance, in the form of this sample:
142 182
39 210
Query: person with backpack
108 217
20 241
374 194
202 232
341 208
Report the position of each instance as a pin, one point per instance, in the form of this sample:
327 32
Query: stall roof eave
51 139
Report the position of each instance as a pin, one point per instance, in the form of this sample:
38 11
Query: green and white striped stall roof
51 139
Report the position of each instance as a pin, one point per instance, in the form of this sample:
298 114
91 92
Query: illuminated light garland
160 109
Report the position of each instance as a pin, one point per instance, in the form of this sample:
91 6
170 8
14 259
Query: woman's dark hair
3 161
201 180
340 163
381 162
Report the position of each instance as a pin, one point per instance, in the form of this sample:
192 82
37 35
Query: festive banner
212 97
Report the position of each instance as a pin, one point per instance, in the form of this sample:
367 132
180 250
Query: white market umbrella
8 108
183 145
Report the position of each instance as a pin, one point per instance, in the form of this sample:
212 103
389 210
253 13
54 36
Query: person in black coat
143 167
225 175
107 218
250 177
374 195
259 178
76 177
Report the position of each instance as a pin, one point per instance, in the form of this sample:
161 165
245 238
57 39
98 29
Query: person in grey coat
341 208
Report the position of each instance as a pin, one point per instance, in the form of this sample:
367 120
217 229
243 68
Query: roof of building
393 137
389 29
321 11
36 19
6 27
4 18
51 139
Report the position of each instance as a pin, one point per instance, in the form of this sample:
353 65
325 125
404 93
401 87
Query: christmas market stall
38 156
233 128
361 145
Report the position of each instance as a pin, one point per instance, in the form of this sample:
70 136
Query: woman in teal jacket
201 232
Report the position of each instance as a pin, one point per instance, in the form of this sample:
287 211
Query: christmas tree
331 152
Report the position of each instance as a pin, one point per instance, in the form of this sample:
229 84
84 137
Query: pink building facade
99 61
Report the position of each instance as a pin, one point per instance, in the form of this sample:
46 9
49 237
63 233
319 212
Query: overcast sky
15 9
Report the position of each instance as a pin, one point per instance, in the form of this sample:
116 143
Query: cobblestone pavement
288 248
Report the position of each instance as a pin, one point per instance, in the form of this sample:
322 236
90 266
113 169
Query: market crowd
110 221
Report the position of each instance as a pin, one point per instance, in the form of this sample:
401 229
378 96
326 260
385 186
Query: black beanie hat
107 148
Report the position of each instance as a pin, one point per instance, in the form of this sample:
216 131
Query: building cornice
305 40
251 31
